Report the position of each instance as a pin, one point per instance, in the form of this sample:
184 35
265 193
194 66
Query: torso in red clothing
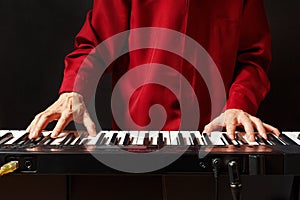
235 33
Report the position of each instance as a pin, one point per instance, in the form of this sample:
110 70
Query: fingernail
53 135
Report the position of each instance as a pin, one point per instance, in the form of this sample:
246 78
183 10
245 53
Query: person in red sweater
235 34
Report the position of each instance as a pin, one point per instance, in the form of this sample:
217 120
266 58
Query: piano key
69 139
126 141
206 139
113 140
160 139
298 136
166 137
216 138
239 139
153 135
6 137
195 140
260 141
134 137
243 136
141 138
147 139
174 138
84 141
108 137
293 136
286 139
16 136
57 141
198 137
47 140
228 140
22 139
180 139
101 136
272 138
37 140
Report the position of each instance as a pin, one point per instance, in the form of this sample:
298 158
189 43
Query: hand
69 106
232 118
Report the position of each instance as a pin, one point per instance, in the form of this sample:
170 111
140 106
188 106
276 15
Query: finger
259 126
271 129
31 127
43 121
247 124
63 121
216 124
210 127
230 129
89 124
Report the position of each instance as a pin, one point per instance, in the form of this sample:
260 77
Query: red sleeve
251 83
105 20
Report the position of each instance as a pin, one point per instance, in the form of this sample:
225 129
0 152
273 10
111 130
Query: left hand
233 118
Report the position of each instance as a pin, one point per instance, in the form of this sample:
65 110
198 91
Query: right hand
69 107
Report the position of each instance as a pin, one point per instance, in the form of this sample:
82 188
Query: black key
240 139
287 140
236 139
84 142
222 139
227 139
99 141
22 139
68 139
37 140
6 137
206 139
28 142
273 139
126 139
181 140
259 141
114 140
194 140
146 139
46 140
160 139
266 142
298 136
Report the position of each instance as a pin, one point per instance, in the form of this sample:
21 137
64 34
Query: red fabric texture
235 33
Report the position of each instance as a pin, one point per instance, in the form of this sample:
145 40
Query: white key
293 136
134 135
166 137
198 136
140 140
243 135
74 141
58 140
109 136
121 136
3 132
154 136
215 138
173 137
186 137
17 135
92 140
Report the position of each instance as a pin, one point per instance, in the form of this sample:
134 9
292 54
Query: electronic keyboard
75 152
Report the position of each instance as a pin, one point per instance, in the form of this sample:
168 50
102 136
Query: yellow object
9 167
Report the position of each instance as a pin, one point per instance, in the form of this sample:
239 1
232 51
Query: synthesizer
73 152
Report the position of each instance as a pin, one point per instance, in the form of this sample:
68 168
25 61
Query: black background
35 36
